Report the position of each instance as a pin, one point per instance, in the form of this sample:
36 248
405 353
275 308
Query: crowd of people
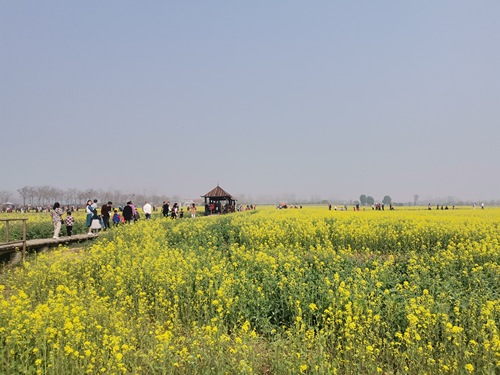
108 216
356 207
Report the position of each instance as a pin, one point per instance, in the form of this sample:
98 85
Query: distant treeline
47 195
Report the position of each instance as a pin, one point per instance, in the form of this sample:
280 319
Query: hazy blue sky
327 98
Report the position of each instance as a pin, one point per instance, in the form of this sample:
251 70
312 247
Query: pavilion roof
217 192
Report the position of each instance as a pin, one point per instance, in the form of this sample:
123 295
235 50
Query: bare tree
55 194
24 192
91 194
31 193
82 197
47 195
71 196
116 197
38 191
415 199
44 193
5 196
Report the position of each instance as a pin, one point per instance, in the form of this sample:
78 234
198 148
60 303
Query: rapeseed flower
279 291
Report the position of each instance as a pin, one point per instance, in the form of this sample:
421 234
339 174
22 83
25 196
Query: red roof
217 192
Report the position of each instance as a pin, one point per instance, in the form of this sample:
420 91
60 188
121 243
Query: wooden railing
6 236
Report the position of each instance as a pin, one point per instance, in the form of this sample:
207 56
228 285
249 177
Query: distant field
39 224
309 290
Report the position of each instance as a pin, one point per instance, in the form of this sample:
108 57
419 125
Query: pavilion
218 201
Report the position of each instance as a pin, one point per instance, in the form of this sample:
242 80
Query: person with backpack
128 214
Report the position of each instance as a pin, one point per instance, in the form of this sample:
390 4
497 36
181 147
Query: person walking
69 221
137 216
90 215
96 223
134 211
175 210
192 209
128 214
106 214
116 219
56 214
165 208
147 209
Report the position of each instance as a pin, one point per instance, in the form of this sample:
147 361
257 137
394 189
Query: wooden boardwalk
40 244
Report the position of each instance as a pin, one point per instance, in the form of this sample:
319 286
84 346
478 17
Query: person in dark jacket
175 210
106 214
165 208
128 213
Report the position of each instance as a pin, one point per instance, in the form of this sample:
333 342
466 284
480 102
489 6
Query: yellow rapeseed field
264 292
39 225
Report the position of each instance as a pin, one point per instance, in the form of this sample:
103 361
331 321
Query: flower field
39 225
264 292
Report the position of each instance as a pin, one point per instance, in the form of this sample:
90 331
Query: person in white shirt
148 209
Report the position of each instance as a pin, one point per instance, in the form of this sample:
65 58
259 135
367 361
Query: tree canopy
362 199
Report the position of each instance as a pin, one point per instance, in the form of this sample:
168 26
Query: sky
326 99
